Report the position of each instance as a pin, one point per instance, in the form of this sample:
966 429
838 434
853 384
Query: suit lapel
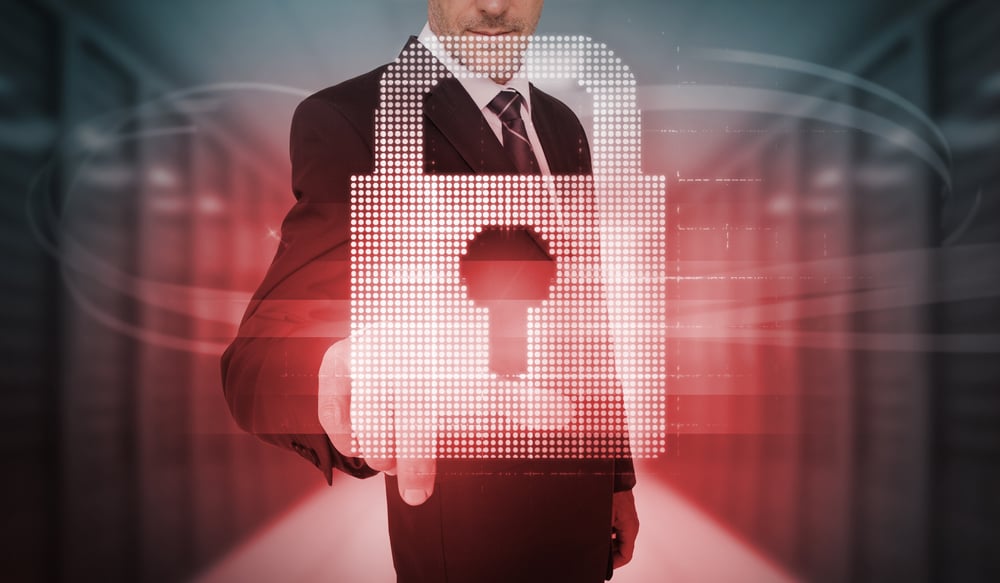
450 109
548 137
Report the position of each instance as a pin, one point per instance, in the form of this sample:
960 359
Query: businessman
286 375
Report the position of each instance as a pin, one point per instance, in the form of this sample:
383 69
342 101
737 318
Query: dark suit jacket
545 521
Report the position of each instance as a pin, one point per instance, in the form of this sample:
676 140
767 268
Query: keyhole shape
507 269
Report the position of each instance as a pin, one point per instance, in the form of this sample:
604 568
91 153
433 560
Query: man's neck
481 89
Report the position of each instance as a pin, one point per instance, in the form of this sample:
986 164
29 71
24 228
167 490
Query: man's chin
493 55
494 68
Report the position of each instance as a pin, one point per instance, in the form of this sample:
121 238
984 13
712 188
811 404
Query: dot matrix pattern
421 384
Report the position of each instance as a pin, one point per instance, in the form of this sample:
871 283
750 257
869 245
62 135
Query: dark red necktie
507 106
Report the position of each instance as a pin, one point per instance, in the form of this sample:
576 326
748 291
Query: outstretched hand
415 476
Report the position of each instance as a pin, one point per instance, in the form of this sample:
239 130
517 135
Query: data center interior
833 331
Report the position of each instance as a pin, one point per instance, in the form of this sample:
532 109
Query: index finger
416 432
416 479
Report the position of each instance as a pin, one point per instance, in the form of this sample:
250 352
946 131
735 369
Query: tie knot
507 105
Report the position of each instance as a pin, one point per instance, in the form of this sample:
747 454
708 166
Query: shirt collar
481 89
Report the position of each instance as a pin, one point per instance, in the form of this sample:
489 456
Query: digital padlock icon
438 368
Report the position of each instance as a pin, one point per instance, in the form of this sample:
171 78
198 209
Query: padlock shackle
616 151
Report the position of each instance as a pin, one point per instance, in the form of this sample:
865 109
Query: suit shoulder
355 100
362 90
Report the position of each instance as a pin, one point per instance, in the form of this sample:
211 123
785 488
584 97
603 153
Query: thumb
334 397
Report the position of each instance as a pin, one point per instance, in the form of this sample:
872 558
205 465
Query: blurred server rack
894 206
843 495
97 232
30 104
965 99
127 463
899 437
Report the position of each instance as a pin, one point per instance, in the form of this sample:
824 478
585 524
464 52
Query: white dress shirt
483 90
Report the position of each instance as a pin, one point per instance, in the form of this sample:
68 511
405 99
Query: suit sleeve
270 371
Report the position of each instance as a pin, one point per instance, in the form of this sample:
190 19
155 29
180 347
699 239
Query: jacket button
306 452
